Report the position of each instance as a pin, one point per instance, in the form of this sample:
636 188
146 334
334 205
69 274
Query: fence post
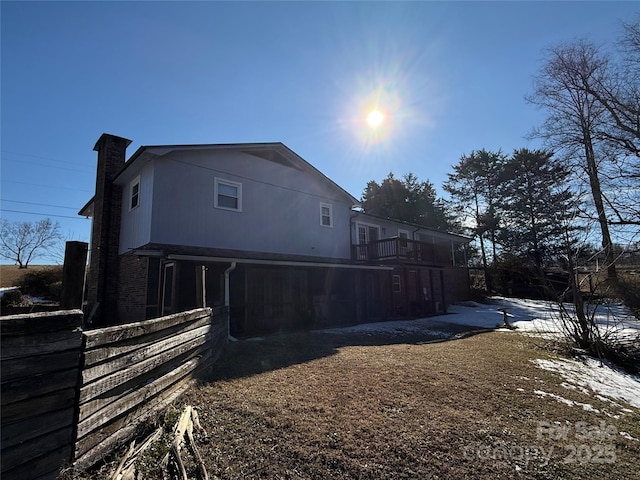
75 260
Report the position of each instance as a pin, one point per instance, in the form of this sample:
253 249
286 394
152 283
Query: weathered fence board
40 368
14 456
122 377
69 395
118 363
30 323
107 335
40 343
91 357
17 433
62 399
15 368
88 408
120 432
134 370
128 402
45 467
33 387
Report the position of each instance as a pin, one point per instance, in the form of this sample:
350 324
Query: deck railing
402 250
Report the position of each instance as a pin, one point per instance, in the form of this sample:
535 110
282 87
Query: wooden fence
41 355
107 382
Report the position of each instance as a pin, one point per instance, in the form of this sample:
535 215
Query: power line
39 204
28 162
43 214
42 157
46 186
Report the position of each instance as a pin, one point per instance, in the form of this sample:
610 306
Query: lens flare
375 118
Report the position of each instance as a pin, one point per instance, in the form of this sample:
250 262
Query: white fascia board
288 263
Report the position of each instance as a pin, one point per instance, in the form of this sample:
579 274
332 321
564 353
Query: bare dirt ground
320 406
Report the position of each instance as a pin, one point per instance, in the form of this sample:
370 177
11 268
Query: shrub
629 293
13 298
43 283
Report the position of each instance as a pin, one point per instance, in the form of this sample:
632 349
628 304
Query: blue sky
450 78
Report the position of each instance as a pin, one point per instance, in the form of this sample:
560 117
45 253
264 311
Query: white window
228 195
326 215
134 194
397 286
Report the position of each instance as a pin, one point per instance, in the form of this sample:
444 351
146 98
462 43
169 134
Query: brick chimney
102 280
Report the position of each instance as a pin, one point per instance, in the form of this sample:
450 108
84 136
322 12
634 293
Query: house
256 227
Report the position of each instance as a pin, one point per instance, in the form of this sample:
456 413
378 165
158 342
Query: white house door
366 235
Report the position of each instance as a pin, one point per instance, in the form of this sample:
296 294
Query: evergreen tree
535 200
408 200
475 193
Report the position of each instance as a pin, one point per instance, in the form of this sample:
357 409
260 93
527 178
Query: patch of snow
4 290
535 317
607 381
539 317
571 386
36 299
585 406
628 436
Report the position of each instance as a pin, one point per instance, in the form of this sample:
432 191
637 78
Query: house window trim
135 182
322 215
230 183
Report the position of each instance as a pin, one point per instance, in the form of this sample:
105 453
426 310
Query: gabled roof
274 152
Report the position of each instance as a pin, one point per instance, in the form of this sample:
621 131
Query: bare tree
593 105
22 242
576 120
619 93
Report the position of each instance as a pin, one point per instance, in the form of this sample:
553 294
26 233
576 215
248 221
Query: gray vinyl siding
280 206
135 229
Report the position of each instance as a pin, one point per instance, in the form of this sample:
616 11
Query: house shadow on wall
263 354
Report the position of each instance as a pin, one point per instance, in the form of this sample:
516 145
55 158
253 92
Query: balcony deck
402 251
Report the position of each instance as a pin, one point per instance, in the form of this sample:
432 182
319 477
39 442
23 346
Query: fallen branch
188 420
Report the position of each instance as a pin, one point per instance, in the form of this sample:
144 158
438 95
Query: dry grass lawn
11 275
316 406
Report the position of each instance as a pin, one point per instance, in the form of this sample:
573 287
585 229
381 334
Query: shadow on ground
252 356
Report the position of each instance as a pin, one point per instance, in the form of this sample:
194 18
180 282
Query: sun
375 118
